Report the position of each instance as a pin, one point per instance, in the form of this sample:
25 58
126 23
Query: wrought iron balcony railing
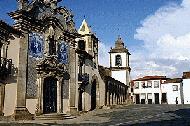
5 68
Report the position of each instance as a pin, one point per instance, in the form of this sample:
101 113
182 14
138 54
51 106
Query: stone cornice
25 22
120 68
122 50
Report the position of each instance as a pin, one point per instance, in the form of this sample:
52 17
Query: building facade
147 90
172 91
119 62
115 91
54 67
7 67
186 86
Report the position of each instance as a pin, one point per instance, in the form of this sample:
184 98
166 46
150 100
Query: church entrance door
50 95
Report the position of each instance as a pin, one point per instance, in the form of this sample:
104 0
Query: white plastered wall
170 94
186 91
10 99
119 75
31 105
147 91
11 86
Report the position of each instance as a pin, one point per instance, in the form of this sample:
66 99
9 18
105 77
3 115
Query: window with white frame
143 96
149 95
136 85
143 84
149 84
175 88
156 84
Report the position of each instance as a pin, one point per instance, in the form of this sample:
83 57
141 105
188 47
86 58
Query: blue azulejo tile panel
63 52
36 42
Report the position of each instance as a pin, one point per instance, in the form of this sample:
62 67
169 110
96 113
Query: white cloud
166 36
103 54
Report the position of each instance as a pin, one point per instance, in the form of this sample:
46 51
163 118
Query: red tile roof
186 75
174 80
151 78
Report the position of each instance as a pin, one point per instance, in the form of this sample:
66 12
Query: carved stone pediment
36 15
47 9
50 66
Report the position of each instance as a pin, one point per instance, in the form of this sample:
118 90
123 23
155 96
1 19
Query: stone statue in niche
52 43
52 46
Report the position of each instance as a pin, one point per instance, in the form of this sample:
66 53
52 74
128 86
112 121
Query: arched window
118 61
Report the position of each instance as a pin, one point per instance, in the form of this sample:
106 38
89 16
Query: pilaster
21 112
73 82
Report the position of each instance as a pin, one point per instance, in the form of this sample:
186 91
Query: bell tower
90 41
119 62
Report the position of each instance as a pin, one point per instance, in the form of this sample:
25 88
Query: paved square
137 115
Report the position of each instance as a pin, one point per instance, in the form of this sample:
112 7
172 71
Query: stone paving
132 115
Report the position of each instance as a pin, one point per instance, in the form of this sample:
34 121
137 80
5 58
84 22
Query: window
149 83
149 95
131 90
156 84
81 45
175 88
143 84
136 85
118 61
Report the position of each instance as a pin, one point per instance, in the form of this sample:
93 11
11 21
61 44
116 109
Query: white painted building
119 65
147 89
172 91
119 62
186 87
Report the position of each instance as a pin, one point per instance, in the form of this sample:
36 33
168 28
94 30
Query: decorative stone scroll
51 67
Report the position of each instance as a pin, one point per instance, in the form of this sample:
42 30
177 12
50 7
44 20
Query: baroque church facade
50 66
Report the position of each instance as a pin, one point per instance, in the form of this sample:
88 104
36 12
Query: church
50 67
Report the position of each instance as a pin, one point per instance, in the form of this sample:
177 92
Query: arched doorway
50 95
93 95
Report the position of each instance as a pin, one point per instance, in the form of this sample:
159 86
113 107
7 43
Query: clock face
63 53
36 42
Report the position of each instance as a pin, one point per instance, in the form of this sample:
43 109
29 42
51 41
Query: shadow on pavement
179 117
183 119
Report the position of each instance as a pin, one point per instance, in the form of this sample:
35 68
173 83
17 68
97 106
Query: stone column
117 94
73 79
21 112
65 95
114 95
119 90
2 96
59 100
39 95
106 93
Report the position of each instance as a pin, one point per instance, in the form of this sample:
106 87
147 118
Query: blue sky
110 18
157 32
107 18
